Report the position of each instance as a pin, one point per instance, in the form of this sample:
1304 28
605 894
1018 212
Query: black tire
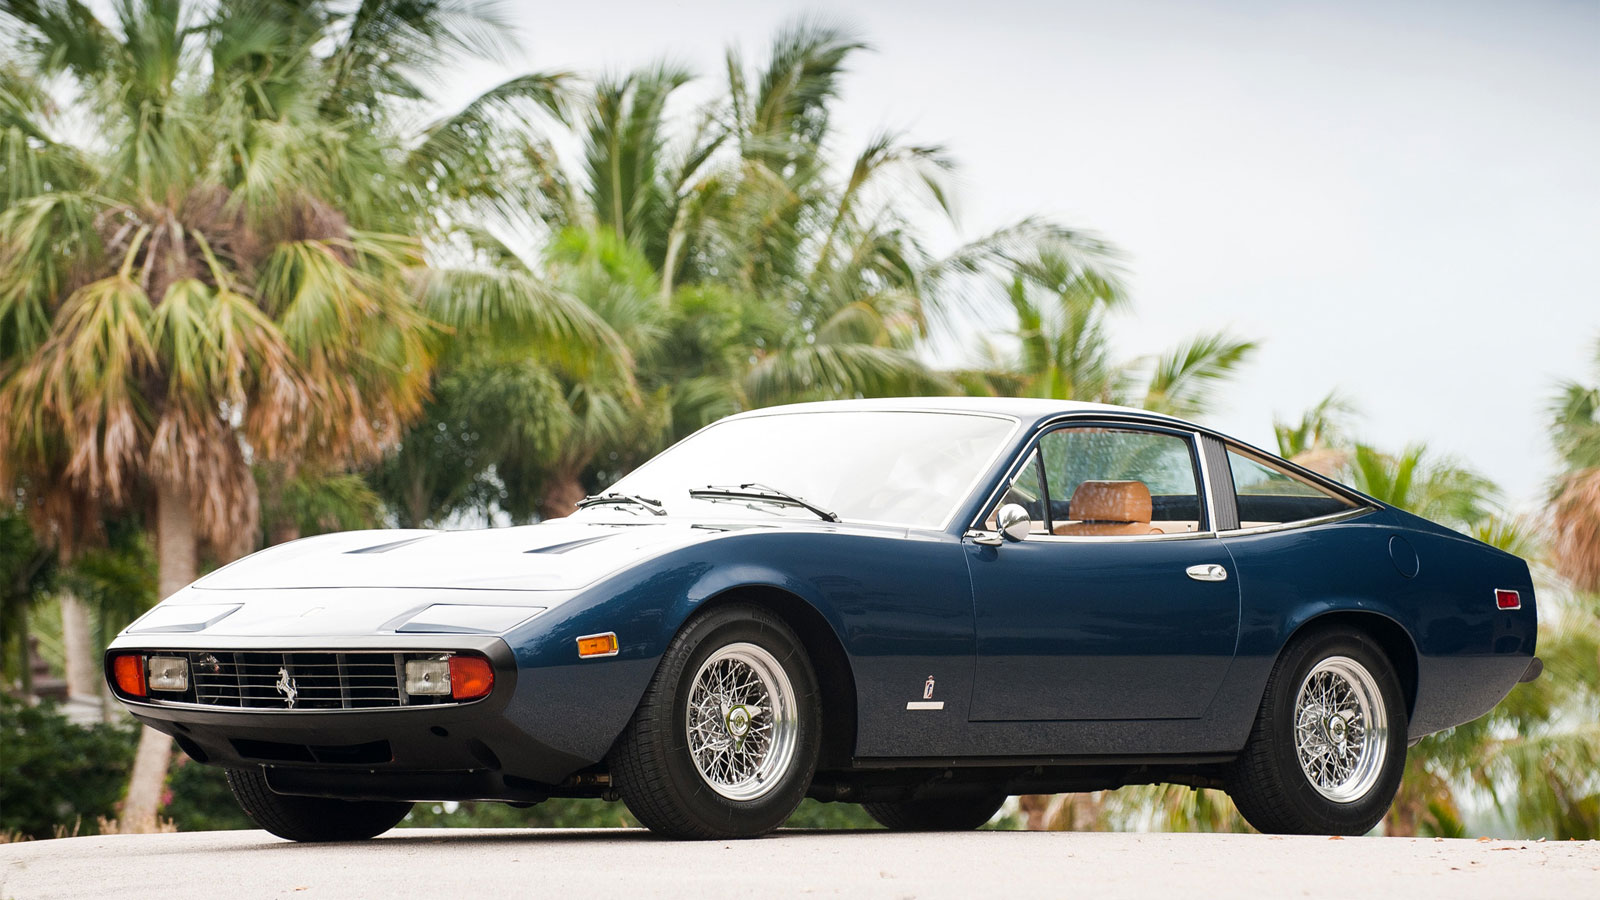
961 812
1267 783
651 765
312 819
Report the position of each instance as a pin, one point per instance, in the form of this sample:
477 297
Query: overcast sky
1400 200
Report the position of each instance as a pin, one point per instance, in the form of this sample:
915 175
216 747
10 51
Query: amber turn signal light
471 677
592 645
127 671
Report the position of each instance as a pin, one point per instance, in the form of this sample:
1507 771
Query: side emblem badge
927 701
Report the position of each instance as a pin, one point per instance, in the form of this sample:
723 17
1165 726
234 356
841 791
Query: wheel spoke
1339 729
739 722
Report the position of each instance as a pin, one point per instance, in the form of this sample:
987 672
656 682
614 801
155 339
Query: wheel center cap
737 722
1337 729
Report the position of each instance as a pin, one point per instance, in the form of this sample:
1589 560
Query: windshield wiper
760 493
655 507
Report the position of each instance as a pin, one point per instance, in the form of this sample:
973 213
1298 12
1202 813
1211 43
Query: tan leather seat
1109 508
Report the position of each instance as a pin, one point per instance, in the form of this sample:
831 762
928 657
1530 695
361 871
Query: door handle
1207 572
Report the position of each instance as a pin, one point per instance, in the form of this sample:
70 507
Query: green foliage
1321 427
1575 417
1416 481
200 800
54 773
117 579
830 816
556 813
26 572
1063 307
564 813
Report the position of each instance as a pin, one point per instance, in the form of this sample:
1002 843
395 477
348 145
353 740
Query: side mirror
1014 522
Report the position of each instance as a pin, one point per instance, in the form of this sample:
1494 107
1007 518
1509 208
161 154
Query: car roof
1026 409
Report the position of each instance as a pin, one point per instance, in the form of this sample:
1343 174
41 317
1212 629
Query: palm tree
230 266
1063 300
732 262
1575 415
1319 440
1434 488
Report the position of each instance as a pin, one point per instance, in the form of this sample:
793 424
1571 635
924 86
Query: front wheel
1329 743
725 739
312 818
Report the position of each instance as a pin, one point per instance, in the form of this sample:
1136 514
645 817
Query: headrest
1110 501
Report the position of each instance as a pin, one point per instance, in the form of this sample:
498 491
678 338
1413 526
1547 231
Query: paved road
460 864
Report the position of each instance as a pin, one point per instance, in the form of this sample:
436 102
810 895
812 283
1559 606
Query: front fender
900 606
580 706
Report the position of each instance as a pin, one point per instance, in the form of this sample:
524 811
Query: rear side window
1269 495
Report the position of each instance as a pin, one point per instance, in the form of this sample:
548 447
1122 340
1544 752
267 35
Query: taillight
1507 599
127 670
471 677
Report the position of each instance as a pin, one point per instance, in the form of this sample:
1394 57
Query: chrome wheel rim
740 721
1341 730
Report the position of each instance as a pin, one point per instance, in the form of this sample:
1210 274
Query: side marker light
591 646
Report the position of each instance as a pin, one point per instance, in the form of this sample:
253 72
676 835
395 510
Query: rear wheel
724 742
962 812
312 818
1329 743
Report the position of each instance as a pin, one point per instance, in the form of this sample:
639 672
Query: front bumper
469 751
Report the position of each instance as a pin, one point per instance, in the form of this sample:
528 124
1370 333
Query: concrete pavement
463 864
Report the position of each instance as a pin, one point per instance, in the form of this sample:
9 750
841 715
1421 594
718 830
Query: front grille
300 680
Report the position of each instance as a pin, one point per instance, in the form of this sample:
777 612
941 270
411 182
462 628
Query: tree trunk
562 491
77 642
177 552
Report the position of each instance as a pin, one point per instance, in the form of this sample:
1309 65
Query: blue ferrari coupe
922 606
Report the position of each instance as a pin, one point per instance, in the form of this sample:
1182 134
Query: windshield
905 468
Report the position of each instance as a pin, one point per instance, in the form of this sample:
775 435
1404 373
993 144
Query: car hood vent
570 545
386 547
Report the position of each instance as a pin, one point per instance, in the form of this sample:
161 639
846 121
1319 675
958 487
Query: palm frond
1184 380
831 371
1320 428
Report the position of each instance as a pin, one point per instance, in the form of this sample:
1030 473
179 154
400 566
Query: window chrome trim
1090 420
1116 538
1300 523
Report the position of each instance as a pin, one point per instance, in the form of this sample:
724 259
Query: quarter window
1270 495
1027 491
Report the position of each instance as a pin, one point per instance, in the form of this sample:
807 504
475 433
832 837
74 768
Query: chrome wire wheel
741 721
1341 729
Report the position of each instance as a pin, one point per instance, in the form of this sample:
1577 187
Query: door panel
1100 629
1095 615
